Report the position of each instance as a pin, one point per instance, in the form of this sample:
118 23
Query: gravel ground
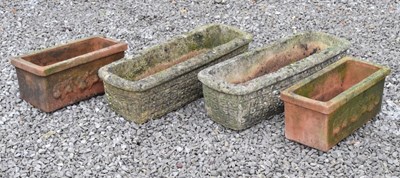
88 139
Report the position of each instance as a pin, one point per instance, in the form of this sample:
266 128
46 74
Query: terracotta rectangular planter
52 78
244 90
163 78
331 104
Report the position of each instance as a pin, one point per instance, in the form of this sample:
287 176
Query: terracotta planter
331 104
164 77
55 77
244 90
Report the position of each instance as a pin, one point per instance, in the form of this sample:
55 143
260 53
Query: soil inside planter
165 65
336 81
273 61
68 51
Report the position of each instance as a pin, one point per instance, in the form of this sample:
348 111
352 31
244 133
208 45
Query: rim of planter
217 83
47 70
327 107
106 73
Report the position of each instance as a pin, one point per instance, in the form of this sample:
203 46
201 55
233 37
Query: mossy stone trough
328 106
163 78
244 90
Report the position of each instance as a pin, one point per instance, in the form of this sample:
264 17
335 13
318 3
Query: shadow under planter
55 77
163 78
244 90
328 106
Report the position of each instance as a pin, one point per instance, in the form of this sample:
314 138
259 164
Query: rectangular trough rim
166 75
47 70
333 104
270 79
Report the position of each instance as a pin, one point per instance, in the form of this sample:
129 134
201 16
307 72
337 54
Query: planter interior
244 90
336 81
168 71
65 52
271 61
172 54
325 108
277 62
55 77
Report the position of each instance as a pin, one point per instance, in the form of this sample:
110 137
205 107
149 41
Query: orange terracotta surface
55 77
330 105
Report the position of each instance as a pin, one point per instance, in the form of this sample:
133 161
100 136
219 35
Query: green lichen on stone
206 39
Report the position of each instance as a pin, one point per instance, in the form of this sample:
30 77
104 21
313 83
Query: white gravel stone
88 139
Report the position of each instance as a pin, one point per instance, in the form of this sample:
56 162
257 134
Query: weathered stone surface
330 105
244 90
59 76
139 97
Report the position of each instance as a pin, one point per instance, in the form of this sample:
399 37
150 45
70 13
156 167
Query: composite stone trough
244 90
163 78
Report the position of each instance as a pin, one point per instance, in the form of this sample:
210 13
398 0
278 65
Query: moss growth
174 50
356 112
309 89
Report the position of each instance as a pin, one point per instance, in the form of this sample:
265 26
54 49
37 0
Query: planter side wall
243 111
309 128
355 113
160 100
220 106
63 88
